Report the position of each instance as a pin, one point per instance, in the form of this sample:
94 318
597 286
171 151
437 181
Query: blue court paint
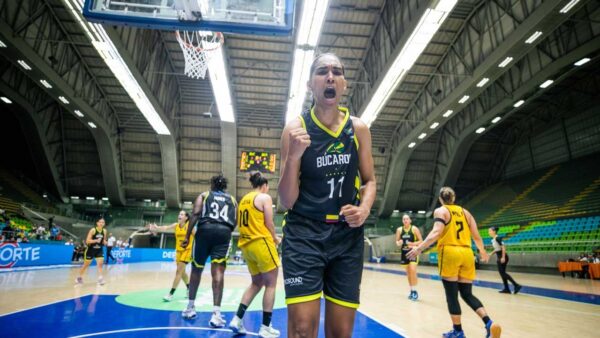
531 290
102 316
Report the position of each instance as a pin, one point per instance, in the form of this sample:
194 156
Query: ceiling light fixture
309 30
24 64
46 84
568 6
533 37
582 62
505 62
426 28
118 67
482 82
546 83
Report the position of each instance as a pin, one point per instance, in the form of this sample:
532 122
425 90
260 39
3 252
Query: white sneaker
237 326
268 332
168 297
189 313
79 280
216 321
100 281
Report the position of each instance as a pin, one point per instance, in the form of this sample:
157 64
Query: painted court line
169 328
42 305
531 290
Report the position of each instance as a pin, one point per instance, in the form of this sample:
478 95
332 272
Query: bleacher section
567 190
575 234
14 189
485 204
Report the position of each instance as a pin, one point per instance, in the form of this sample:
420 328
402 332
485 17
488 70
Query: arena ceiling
124 159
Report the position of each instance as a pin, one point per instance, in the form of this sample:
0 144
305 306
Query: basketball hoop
198 48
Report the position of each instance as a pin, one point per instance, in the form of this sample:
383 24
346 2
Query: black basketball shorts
214 240
319 257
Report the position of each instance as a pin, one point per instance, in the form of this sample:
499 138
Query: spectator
39 232
77 252
109 246
120 243
8 232
53 233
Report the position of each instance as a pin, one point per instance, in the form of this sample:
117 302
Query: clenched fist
299 141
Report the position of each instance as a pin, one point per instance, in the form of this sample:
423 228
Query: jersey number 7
460 227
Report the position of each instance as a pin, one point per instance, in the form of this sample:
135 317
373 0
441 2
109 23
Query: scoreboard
258 161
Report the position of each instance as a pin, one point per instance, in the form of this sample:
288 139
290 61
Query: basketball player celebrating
95 241
408 236
258 243
214 216
182 255
453 227
326 157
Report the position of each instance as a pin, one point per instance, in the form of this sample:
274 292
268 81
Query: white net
198 48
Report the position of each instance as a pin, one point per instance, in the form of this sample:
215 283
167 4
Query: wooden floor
536 312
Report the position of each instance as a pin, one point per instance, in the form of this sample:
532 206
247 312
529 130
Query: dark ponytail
218 183
258 180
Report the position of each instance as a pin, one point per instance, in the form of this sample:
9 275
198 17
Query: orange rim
200 49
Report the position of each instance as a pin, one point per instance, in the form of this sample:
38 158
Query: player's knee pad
466 294
451 289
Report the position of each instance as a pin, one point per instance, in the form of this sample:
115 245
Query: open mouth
329 93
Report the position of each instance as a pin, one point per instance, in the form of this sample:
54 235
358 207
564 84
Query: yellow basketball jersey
456 232
251 221
180 236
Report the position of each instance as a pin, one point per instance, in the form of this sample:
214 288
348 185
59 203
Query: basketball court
130 304
150 98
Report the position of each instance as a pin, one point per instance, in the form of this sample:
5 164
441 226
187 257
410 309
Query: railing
590 243
377 232
56 211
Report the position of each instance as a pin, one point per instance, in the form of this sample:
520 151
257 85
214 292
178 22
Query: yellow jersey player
453 228
258 243
183 255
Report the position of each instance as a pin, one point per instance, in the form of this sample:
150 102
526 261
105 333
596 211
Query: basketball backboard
262 17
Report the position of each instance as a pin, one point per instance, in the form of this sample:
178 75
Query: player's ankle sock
172 291
217 310
241 310
267 318
413 288
486 319
191 303
457 327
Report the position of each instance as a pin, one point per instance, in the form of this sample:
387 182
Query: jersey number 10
244 218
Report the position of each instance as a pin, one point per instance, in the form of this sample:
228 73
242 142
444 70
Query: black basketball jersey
407 236
98 235
328 170
218 207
